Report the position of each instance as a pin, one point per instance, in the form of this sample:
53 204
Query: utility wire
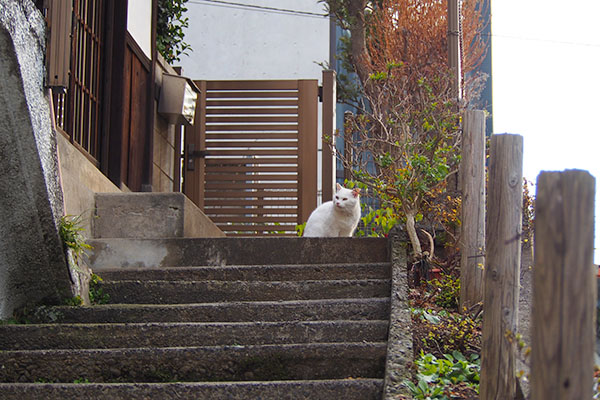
551 41
254 7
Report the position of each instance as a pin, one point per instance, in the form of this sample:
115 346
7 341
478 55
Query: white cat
335 218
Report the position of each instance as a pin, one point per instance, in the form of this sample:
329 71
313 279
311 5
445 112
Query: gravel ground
525 300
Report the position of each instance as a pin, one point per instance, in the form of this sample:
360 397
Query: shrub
446 291
436 377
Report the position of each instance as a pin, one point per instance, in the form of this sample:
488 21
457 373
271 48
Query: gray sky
546 77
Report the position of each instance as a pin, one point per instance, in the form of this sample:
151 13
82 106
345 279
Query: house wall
139 24
231 42
80 181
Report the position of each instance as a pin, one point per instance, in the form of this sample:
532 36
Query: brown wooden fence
251 156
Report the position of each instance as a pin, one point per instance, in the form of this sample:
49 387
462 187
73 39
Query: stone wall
32 263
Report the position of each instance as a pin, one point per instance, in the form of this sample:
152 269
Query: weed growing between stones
75 301
70 231
43 380
97 294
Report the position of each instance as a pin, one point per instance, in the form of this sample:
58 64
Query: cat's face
346 198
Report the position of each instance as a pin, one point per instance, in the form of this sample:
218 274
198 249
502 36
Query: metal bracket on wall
191 154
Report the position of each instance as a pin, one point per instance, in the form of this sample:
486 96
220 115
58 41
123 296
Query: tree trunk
356 12
412 233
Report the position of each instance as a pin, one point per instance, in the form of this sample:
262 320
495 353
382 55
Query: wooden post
502 264
454 45
328 135
308 93
564 287
472 234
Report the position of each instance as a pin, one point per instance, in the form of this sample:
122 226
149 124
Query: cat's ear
338 187
356 192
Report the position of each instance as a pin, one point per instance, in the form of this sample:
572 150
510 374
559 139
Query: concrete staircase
213 318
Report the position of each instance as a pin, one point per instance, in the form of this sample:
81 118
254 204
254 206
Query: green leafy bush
377 222
436 376
446 291
443 332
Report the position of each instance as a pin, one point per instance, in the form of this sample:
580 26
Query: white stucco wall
231 42
139 24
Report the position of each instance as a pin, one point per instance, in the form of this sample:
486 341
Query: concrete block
310 361
178 334
302 310
154 253
347 389
150 215
189 292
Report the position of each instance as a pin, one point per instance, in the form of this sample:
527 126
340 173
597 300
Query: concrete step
111 336
165 253
225 318
347 389
150 215
180 292
196 364
253 272
300 310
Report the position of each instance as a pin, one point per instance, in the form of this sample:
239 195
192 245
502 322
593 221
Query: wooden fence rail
564 291
502 265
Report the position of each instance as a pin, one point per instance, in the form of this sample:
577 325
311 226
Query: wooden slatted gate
251 155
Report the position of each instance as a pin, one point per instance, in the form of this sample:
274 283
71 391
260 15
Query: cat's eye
337 197
345 198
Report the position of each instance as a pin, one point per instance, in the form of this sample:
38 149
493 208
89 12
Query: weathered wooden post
307 148
502 264
472 186
564 287
328 139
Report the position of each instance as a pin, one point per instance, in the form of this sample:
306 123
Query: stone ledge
150 216
400 347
